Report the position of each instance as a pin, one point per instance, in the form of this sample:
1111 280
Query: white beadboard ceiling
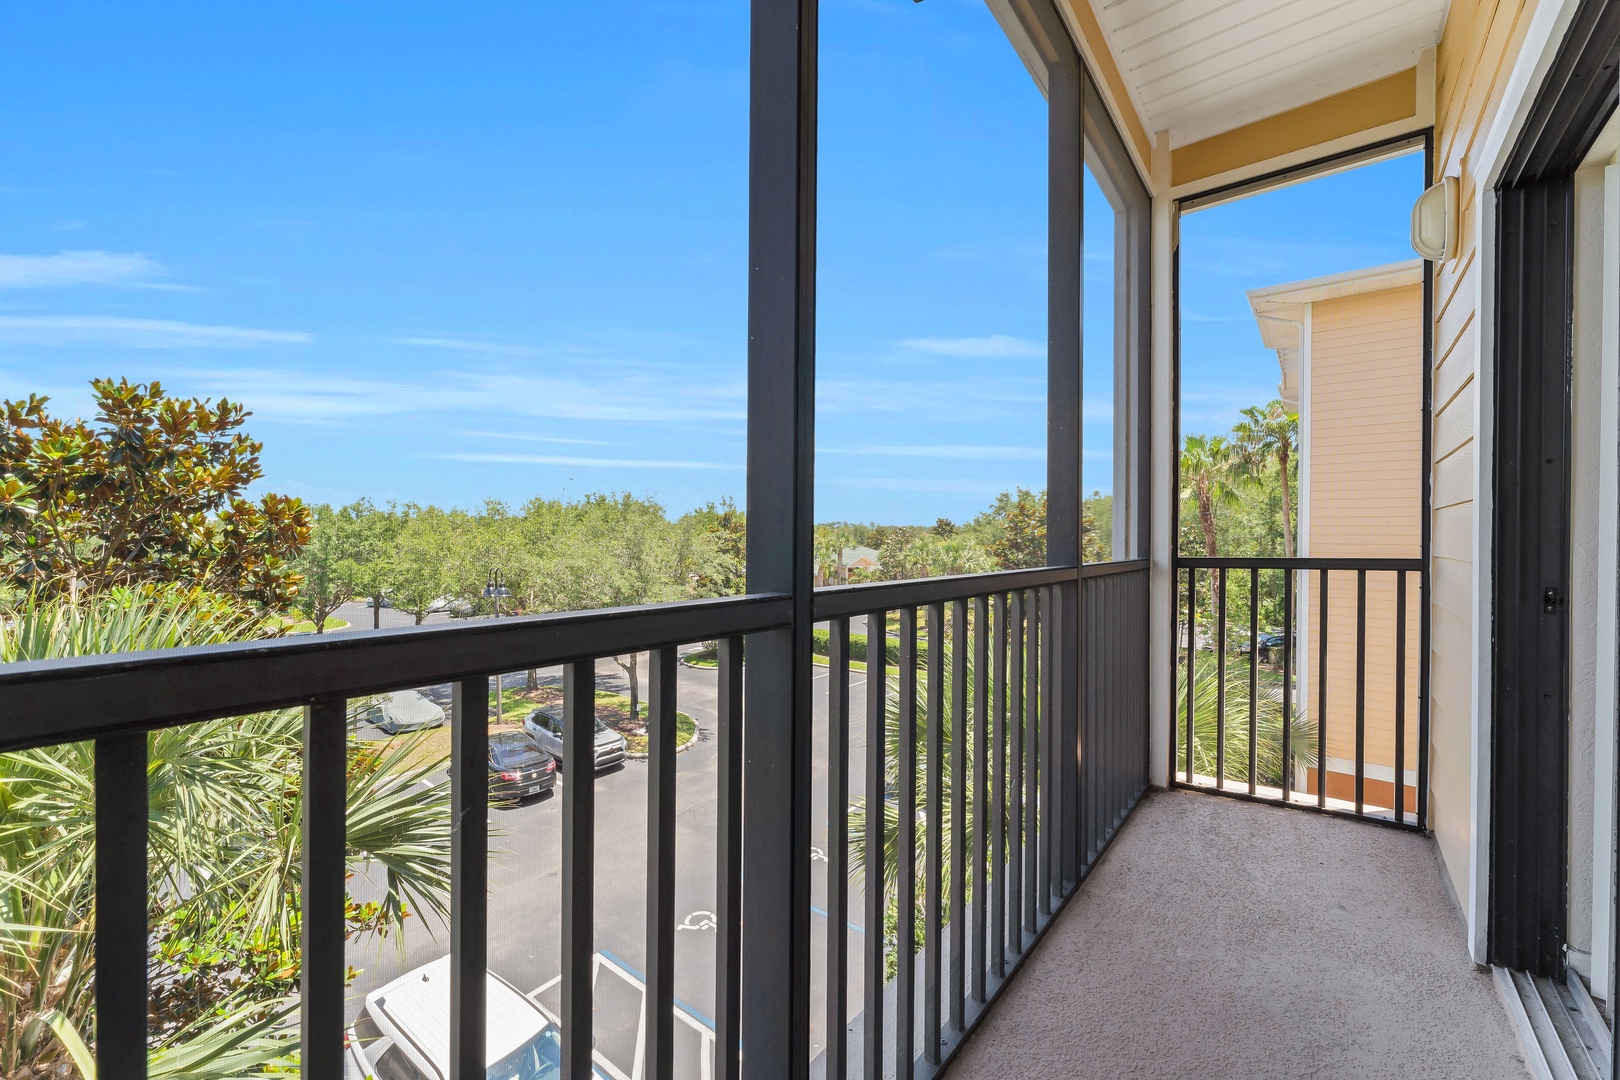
1200 67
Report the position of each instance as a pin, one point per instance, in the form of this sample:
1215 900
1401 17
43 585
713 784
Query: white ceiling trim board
1303 42
1201 67
1184 18
1269 40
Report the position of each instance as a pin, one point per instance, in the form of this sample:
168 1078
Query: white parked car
403 710
403 1033
545 727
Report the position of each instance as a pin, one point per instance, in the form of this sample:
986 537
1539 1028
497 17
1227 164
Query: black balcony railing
1021 788
1038 785
1313 694
116 699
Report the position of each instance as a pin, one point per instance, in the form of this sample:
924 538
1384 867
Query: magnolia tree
148 490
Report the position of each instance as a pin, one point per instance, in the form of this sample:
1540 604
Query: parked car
403 710
518 767
403 1032
1268 640
546 728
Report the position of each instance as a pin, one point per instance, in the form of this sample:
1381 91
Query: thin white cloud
550 439
930 397
467 345
586 462
958 452
136 333
994 347
620 396
77 268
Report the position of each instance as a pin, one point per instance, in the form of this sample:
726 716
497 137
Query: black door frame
1526 923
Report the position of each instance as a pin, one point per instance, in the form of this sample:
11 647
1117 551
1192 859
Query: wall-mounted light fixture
1434 221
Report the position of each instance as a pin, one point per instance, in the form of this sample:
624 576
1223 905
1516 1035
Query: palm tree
225 845
890 860
1267 434
1212 475
1268 726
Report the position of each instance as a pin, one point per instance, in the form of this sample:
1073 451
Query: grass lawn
307 627
612 709
433 744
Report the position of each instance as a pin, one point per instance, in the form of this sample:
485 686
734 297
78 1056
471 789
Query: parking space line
822 912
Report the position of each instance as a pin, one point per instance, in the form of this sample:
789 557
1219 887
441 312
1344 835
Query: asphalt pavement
525 869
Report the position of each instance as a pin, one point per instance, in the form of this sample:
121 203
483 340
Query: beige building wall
1364 475
1477 51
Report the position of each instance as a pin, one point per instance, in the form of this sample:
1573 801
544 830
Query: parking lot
525 873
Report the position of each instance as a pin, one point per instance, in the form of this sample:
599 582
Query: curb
697 729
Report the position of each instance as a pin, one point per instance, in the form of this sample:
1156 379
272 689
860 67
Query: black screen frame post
1527 891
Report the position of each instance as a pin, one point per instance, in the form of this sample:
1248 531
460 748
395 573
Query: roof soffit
1197 68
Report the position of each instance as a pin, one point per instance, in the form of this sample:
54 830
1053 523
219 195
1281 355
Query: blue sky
1327 225
446 253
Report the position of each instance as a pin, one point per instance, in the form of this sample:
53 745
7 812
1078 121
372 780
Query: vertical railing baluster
905 1008
959 722
658 1014
1033 733
1094 716
1288 685
1067 706
1015 768
1254 677
877 668
838 848
1361 688
728 841
578 866
981 761
998 800
1420 803
1400 696
322 922
121 932
934 870
1192 653
1321 688
1050 826
469 875
1220 678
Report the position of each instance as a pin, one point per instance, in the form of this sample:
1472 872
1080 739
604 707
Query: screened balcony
997 825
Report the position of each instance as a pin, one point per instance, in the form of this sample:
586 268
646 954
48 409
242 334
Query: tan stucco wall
1365 476
1477 50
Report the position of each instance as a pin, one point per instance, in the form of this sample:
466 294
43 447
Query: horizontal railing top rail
1201 562
839 600
61 700
53 701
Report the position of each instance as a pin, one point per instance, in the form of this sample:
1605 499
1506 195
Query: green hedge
822 639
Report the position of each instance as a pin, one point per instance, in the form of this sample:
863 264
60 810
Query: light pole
495 588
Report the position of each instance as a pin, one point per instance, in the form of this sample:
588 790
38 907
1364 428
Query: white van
403 1033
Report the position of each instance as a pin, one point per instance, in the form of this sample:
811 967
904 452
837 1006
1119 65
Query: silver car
546 728
403 710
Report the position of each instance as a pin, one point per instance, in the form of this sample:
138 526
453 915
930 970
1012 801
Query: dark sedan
518 768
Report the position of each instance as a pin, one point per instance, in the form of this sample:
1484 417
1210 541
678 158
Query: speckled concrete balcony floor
1226 939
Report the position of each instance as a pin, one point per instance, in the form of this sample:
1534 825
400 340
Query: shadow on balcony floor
1222 938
